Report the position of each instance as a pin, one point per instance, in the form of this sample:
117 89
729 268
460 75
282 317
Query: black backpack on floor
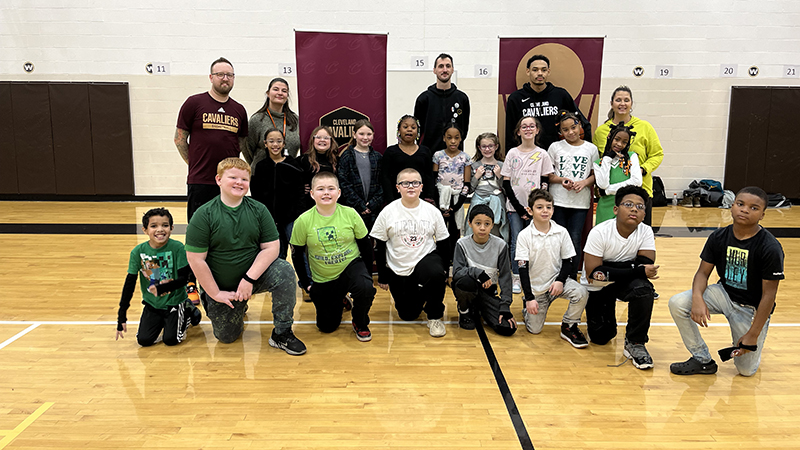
659 194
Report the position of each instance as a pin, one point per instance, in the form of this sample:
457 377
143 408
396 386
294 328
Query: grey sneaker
638 355
436 327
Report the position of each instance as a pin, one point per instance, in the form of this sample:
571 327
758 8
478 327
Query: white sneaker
436 327
517 289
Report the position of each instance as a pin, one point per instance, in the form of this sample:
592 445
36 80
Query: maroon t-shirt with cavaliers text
214 131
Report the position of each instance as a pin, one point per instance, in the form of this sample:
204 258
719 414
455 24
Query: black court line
78 228
511 405
130 228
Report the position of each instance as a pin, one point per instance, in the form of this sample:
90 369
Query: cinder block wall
112 40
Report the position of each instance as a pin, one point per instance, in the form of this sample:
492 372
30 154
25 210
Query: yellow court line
10 435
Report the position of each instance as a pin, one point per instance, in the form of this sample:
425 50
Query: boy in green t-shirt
162 269
232 246
339 253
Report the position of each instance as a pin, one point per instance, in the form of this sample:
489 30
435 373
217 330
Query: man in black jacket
441 104
542 100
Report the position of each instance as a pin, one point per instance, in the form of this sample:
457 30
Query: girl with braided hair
618 167
407 154
647 146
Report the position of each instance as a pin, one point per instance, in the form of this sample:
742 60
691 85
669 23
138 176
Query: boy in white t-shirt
619 259
411 253
545 257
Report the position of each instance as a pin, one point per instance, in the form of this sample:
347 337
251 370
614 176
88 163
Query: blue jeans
516 224
572 219
739 316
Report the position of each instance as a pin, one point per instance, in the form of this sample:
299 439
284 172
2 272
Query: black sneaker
573 335
466 321
656 296
638 355
287 342
362 334
195 316
693 367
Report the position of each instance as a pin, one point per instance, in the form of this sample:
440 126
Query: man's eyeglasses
631 205
407 184
224 75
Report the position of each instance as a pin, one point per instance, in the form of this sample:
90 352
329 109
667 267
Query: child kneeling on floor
749 262
545 258
481 264
162 269
340 257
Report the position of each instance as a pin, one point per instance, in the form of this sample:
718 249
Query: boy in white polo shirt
412 239
544 256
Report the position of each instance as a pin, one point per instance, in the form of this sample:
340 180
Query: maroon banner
341 78
575 65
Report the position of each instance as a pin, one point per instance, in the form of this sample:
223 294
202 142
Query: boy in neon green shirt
339 254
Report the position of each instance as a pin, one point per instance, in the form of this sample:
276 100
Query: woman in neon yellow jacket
645 144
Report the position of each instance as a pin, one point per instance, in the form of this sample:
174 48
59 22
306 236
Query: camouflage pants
279 280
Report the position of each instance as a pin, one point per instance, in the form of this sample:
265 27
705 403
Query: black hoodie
436 108
544 106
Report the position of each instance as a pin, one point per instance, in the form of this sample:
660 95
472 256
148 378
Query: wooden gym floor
66 383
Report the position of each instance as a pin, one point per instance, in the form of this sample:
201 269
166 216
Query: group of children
372 208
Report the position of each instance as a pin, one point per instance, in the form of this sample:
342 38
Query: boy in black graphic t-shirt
749 262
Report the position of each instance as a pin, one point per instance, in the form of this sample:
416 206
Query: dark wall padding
33 138
66 139
8 156
72 138
111 138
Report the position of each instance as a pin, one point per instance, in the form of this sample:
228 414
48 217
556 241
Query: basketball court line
505 390
344 322
19 335
180 229
10 435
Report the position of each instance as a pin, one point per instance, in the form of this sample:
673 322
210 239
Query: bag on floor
778 201
659 194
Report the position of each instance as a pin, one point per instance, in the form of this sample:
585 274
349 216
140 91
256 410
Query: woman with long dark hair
274 114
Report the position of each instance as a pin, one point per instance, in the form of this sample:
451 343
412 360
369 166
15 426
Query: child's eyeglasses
407 184
631 205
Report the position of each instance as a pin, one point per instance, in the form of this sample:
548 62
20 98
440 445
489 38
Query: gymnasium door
762 139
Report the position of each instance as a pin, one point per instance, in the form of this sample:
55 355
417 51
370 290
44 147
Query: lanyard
273 122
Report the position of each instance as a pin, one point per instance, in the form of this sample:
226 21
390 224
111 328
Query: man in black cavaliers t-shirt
541 99
217 125
749 262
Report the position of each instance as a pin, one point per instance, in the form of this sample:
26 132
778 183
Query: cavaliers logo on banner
575 65
341 78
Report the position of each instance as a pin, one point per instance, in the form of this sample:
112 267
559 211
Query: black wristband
248 279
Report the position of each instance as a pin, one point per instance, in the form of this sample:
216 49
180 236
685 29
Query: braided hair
400 122
625 159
